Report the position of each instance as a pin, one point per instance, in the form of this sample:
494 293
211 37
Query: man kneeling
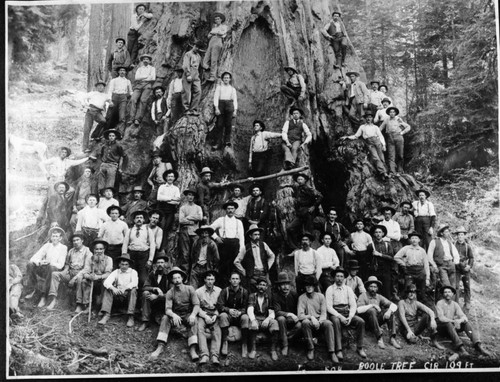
181 310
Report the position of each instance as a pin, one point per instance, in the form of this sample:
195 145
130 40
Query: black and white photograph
245 188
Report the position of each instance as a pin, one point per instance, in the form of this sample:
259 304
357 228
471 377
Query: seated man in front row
181 312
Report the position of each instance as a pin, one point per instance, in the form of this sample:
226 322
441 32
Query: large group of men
390 270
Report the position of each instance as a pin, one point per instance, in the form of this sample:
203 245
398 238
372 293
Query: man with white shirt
90 220
375 97
121 286
406 222
306 262
140 245
139 17
229 236
191 82
395 128
393 235
291 134
357 95
48 259
425 216
190 216
95 102
341 307
362 247
159 110
259 153
329 261
155 178
255 261
58 166
106 200
375 141
443 256
226 107
335 32
119 58
204 256
242 202
381 260
216 40
120 91
114 232
169 198
381 114
144 78
174 97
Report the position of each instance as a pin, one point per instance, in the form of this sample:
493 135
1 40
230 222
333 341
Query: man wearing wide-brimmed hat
466 255
136 204
285 302
191 82
255 260
182 306
395 128
169 198
295 87
259 153
306 261
381 115
113 159
90 220
95 272
174 96
139 17
120 287
204 256
335 32
119 58
381 261
425 216
376 310
57 207
72 273
451 320
406 222
292 133
216 39
341 307
95 103
114 232
145 75
375 97
226 108
412 324
106 198
154 290
352 280
357 94
190 216
257 208
48 259
230 238
443 256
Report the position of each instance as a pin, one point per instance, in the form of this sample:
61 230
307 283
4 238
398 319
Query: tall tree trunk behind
71 41
96 62
120 23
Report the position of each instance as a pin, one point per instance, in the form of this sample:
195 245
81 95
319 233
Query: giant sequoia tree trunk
96 61
120 23
264 37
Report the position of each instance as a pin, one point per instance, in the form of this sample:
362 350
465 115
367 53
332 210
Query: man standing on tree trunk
292 134
335 32
191 82
95 103
425 217
113 159
159 110
259 153
120 58
295 87
190 216
174 97
138 18
357 95
395 140
216 38
376 97
144 78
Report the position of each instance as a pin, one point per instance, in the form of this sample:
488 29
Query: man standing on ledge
292 133
334 31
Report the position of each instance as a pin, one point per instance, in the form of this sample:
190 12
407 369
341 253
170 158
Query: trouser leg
470 332
337 331
132 300
136 96
164 330
391 154
215 343
140 265
186 94
132 45
370 316
107 301
227 122
447 329
399 148
376 154
466 281
146 94
422 324
358 324
14 296
307 330
195 92
146 306
327 328
87 126
177 108
216 50
202 338
56 279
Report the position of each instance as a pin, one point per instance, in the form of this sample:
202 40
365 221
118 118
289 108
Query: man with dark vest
154 291
381 261
120 91
295 88
466 254
425 217
136 204
292 134
255 260
145 75
340 236
335 32
159 109
259 154
443 256
257 208
120 58
285 302
204 256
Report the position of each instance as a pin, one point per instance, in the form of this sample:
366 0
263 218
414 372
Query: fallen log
265 177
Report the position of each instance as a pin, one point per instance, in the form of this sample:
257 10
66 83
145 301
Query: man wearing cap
375 141
204 256
174 97
335 32
182 306
411 323
414 265
466 262
307 199
259 153
216 39
159 109
451 320
191 83
113 232
48 259
136 204
381 115
352 280
306 262
140 245
357 95
376 310
395 128
95 103
262 318
375 97
113 159
255 260
90 220
341 307
226 107
425 216
120 286
106 199
72 273
169 197
120 91
154 291
242 202
119 58
443 256
405 221
257 208
362 247
381 261
208 294
139 17
190 216
285 301
339 234
292 134
230 238
96 270
329 261
311 311
155 178
145 75
58 166
56 208
295 87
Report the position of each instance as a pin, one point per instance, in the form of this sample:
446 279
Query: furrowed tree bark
120 23
96 34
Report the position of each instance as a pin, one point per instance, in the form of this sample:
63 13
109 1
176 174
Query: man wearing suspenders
425 217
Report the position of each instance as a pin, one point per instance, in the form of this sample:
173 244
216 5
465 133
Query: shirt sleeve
381 137
308 133
217 96
37 257
430 252
108 283
62 253
432 212
322 305
134 283
235 99
301 308
241 234
284 131
359 132
383 125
